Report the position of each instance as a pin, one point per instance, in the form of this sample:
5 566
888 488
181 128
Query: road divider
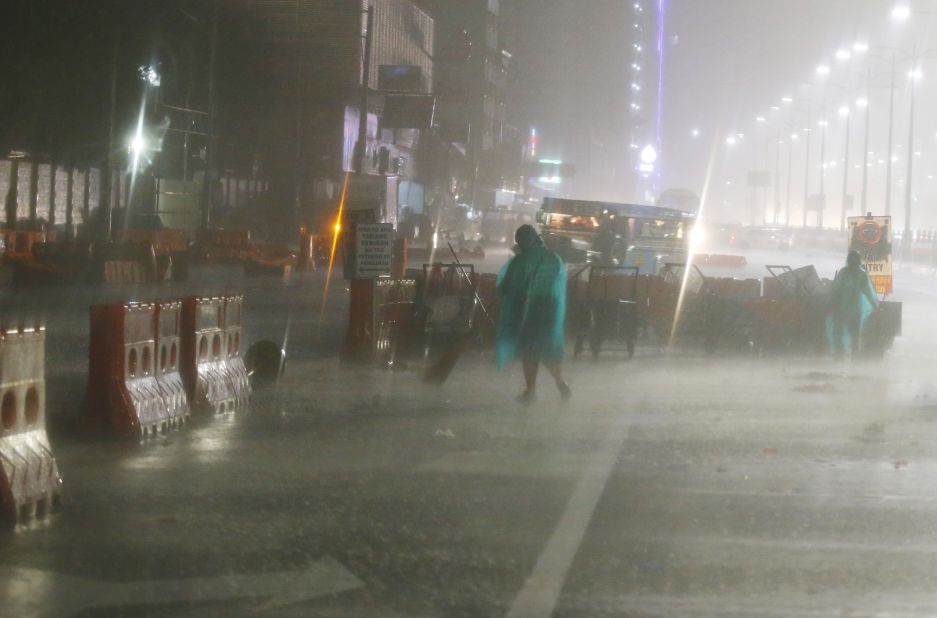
30 485
124 395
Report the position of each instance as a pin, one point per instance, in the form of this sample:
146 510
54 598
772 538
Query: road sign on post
374 250
872 238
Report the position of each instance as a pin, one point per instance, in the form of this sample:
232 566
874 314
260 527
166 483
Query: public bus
621 234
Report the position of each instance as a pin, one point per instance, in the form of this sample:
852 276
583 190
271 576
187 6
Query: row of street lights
912 58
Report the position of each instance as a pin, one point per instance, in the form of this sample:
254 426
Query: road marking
541 591
43 594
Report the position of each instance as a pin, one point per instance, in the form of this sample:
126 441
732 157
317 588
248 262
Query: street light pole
865 159
807 173
790 166
891 133
777 178
358 164
842 216
211 155
822 203
906 238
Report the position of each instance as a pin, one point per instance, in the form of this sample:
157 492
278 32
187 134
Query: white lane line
541 591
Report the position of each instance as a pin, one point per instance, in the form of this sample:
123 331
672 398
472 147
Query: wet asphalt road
671 485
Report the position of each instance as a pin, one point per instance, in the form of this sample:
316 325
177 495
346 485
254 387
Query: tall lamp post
914 76
844 112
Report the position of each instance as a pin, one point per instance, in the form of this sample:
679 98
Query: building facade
472 67
315 50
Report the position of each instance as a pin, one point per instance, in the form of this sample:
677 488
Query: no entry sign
872 238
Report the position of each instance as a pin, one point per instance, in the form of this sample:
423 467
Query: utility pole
210 154
358 163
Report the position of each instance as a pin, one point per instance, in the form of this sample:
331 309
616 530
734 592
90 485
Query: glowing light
901 12
649 155
761 120
823 70
150 75
843 54
731 141
137 145
694 133
843 111
916 74
787 100
335 236
862 103
860 47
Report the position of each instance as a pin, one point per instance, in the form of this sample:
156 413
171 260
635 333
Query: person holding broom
532 291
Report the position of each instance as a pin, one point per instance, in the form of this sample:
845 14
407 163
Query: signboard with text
351 219
374 250
872 238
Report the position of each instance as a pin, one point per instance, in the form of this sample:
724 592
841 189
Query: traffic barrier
165 242
235 370
357 345
399 259
227 244
124 396
380 316
30 485
124 272
168 348
611 285
394 304
202 363
734 289
19 243
720 261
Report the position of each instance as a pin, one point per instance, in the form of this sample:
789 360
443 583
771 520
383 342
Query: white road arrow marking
33 593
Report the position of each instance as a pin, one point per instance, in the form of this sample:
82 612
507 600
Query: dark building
472 66
309 125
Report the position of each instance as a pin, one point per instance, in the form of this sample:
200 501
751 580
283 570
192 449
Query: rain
468 308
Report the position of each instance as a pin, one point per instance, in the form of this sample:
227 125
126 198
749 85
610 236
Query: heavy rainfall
468 308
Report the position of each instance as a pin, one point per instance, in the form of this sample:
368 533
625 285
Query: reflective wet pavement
672 485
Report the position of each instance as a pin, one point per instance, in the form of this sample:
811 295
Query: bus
646 237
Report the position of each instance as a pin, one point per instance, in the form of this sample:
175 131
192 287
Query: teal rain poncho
532 291
852 301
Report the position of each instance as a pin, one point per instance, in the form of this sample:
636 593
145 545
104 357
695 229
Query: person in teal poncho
532 291
853 300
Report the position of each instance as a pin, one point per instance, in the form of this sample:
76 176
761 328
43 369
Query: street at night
468 309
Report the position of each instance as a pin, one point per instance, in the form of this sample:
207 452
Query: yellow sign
872 238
